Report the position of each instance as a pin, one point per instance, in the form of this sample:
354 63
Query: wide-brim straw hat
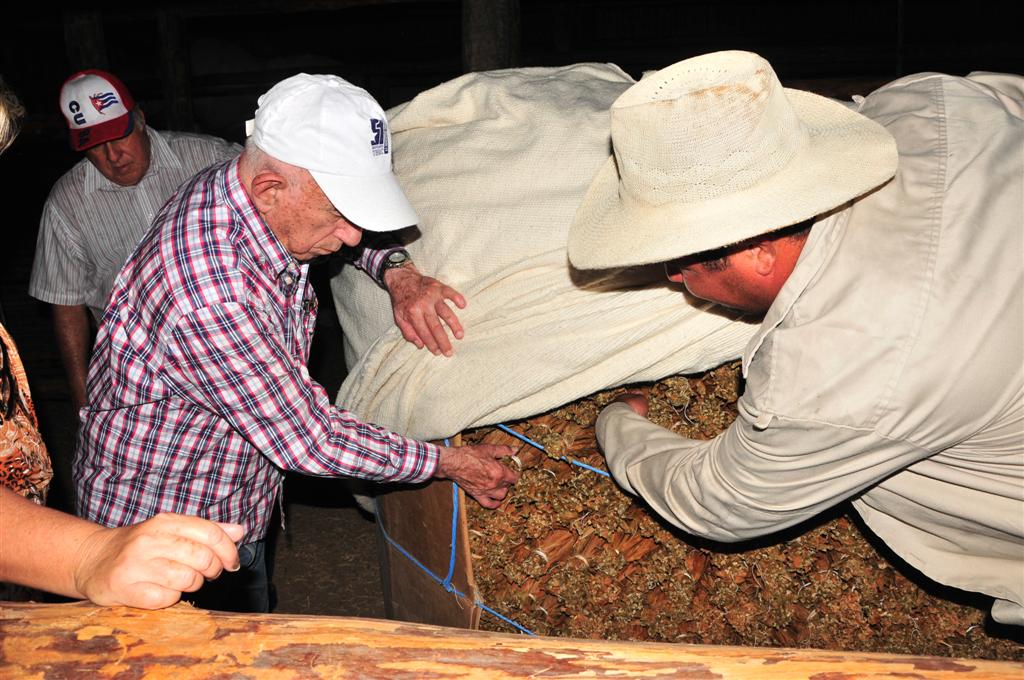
712 151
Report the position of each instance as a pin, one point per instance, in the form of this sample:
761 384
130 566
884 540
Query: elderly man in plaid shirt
198 391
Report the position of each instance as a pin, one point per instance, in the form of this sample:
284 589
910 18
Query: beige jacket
890 369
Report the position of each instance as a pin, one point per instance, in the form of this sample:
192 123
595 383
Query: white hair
257 160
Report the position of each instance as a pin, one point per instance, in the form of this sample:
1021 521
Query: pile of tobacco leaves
570 554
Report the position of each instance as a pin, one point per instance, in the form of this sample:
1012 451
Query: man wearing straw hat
883 248
199 395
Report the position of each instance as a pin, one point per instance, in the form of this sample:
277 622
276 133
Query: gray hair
11 112
257 160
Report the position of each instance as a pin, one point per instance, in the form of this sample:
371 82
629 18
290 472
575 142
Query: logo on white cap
379 144
104 100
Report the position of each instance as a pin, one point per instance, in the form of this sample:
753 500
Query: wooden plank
84 641
419 520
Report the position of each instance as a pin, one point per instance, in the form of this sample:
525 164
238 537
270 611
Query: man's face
725 279
123 161
309 225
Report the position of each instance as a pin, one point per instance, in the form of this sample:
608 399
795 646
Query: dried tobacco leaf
614 571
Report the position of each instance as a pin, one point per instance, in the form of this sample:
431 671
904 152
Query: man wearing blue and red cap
97 212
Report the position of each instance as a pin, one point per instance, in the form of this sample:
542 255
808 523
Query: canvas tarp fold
495 164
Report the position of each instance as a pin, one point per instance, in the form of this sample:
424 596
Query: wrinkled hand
419 305
148 565
635 401
477 470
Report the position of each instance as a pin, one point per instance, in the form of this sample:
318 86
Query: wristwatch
396 258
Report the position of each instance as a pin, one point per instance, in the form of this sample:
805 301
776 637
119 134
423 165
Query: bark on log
84 641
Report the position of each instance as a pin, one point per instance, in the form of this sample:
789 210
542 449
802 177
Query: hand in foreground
477 470
635 401
419 305
149 564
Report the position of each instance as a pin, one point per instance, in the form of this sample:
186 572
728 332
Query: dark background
200 66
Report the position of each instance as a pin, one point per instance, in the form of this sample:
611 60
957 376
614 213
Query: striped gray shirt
90 225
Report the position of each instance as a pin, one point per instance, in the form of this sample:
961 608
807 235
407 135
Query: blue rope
504 618
455 525
447 583
534 444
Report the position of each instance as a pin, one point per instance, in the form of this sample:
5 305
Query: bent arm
40 545
147 565
745 482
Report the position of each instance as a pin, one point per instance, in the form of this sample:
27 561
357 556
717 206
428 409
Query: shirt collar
818 249
273 257
161 157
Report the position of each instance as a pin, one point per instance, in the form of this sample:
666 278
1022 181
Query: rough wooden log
84 641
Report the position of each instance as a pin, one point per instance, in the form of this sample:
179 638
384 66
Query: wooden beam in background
176 73
490 34
84 40
203 8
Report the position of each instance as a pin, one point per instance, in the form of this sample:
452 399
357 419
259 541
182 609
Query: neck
788 250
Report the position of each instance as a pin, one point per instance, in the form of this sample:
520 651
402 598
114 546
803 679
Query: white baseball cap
339 133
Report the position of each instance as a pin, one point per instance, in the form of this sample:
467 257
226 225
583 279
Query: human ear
673 274
266 190
764 256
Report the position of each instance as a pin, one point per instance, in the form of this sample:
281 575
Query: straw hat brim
847 155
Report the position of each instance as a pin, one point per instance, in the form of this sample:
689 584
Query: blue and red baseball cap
98 108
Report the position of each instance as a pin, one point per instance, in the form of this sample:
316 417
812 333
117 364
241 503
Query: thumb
502 451
234 531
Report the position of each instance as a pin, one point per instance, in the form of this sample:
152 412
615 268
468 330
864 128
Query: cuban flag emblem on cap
103 100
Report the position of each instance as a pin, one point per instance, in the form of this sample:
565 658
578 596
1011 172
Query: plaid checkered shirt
199 395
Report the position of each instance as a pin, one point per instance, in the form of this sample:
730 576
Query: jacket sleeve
746 482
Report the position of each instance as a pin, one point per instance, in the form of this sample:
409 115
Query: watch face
397 257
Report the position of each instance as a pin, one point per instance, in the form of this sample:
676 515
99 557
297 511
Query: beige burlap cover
495 164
